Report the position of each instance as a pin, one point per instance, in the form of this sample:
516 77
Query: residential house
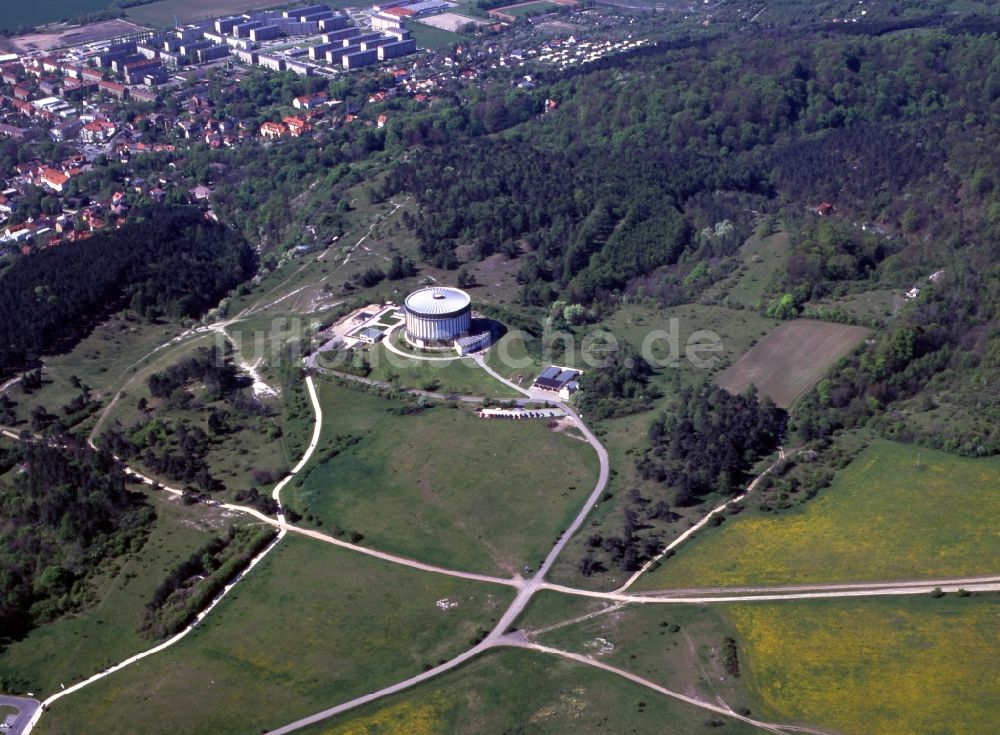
296 126
189 128
113 88
142 95
309 101
17 233
11 131
65 131
273 129
53 179
97 131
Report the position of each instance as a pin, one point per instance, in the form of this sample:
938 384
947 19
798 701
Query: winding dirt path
782 454
503 633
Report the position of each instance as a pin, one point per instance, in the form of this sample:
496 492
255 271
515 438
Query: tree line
709 440
65 514
167 263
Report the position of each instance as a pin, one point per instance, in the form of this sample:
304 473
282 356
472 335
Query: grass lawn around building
510 358
442 485
460 376
896 512
429 37
312 625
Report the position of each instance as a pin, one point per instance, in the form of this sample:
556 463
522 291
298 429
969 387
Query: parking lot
16 722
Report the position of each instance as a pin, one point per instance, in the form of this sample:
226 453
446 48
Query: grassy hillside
520 691
878 667
896 512
286 643
442 485
74 647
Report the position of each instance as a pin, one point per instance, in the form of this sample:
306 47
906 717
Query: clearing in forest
791 359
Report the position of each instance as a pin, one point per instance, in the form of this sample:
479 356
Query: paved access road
526 589
26 708
815 592
503 633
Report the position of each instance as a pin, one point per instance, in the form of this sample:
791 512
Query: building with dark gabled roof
556 378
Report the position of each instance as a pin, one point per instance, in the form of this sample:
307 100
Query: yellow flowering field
408 717
896 512
875 667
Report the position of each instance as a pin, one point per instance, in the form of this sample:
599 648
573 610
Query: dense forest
708 441
171 265
619 385
593 191
704 443
635 145
658 164
63 513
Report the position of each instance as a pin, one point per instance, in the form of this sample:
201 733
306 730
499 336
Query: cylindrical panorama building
435 316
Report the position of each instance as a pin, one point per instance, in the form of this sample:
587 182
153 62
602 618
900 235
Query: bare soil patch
791 359
70 36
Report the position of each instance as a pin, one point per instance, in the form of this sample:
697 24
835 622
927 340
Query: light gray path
311 362
701 524
525 591
403 561
387 341
969 584
817 586
37 714
573 621
384 692
517 641
307 455
480 360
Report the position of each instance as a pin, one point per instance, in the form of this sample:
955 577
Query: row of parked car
518 415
